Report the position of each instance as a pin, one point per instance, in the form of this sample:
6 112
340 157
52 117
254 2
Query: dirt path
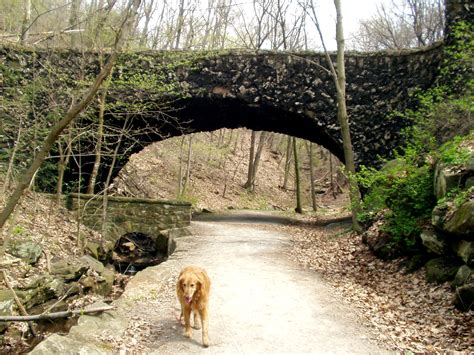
260 302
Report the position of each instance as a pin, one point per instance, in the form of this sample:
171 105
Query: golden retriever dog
193 293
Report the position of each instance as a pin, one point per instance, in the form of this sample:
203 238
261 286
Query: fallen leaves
405 312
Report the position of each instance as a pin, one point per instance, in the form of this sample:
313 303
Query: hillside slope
219 165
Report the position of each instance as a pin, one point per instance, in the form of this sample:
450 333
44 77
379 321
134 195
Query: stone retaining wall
128 215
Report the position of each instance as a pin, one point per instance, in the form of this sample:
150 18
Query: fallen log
55 315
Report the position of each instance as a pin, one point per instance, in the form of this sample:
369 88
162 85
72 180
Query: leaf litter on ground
405 312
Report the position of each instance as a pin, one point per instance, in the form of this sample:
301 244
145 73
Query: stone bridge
159 219
164 94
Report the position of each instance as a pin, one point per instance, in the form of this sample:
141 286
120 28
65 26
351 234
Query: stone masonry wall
127 215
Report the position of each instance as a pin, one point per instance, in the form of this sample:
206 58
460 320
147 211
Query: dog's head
189 285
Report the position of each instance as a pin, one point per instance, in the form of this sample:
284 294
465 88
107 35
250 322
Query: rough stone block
464 297
465 250
442 269
28 251
433 242
463 276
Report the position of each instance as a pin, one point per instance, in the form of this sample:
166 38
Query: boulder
465 250
446 178
433 242
438 216
100 284
41 290
6 307
464 297
469 182
69 271
92 263
99 252
463 276
92 249
106 282
383 248
60 344
28 251
416 262
442 269
461 222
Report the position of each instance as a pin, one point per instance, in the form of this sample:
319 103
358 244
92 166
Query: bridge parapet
130 215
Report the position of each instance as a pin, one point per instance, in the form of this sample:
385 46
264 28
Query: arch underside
209 114
203 114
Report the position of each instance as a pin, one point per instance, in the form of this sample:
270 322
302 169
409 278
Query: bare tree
405 24
149 8
339 77
74 20
26 21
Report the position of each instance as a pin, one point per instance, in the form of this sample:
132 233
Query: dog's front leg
205 324
187 322
197 320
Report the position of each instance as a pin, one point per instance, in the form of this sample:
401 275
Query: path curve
261 302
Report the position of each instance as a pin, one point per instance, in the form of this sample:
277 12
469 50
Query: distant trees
402 24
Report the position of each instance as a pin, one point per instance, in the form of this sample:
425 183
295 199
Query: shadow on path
267 217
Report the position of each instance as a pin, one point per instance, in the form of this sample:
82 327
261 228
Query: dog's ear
181 283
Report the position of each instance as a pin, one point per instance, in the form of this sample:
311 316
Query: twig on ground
55 315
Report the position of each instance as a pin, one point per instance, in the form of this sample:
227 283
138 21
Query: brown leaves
405 312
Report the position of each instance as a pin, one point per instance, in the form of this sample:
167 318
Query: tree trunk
331 175
100 138
339 79
248 183
6 184
179 24
180 171
256 161
105 197
63 162
70 115
287 163
343 120
298 208
188 163
73 21
311 177
25 26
